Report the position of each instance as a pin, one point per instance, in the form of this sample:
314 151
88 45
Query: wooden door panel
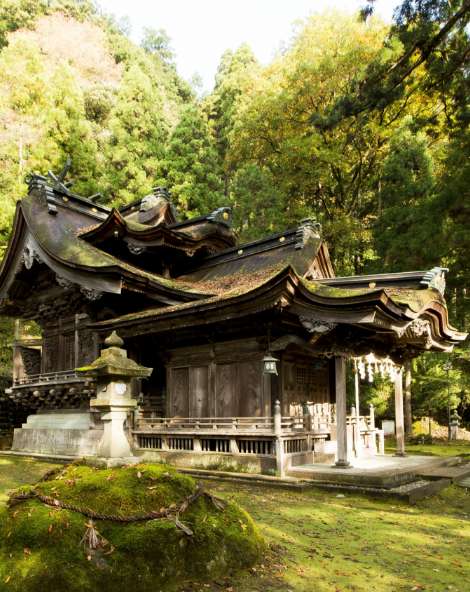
250 389
199 391
226 395
179 392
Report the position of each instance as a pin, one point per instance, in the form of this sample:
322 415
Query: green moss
331 292
416 300
40 545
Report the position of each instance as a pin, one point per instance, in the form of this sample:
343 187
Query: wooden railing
201 424
226 424
48 378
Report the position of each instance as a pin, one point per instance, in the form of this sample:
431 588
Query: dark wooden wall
219 380
67 344
304 379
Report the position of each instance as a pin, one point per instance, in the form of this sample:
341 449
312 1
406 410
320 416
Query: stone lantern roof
113 361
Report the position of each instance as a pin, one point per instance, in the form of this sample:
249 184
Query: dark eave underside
285 292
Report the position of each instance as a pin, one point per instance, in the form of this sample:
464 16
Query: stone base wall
57 442
65 432
208 460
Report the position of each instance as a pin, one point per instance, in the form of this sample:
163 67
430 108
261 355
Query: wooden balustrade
48 378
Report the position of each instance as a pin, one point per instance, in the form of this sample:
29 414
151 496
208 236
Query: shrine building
249 343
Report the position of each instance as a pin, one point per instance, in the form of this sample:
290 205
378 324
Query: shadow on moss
41 547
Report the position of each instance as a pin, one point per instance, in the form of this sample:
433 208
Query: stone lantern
113 372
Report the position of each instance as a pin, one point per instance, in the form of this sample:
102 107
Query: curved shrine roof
111 251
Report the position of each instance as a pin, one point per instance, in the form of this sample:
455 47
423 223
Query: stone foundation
65 432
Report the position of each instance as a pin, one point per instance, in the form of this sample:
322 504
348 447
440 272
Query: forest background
358 124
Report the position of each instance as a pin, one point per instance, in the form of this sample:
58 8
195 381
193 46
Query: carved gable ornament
435 278
30 255
419 330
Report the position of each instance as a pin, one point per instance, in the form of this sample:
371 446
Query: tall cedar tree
191 167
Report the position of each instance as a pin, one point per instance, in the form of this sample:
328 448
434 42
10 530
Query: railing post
307 418
233 446
279 442
399 416
380 435
371 417
277 418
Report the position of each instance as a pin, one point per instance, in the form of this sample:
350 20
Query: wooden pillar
357 433
76 345
341 428
399 419
279 441
408 413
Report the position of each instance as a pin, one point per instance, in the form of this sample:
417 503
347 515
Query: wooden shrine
208 315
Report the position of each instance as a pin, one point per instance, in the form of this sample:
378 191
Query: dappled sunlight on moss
41 547
358 543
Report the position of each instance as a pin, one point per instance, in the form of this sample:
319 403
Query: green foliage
158 43
407 183
144 555
138 131
191 167
258 203
361 126
236 69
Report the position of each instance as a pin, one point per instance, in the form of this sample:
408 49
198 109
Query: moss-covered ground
42 546
437 448
16 471
321 541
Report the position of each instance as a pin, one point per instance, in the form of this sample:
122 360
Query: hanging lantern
270 364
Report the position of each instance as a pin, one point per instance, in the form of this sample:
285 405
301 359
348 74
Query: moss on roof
232 287
228 287
417 299
58 237
325 291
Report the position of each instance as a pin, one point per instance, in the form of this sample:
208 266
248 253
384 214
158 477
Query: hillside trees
406 203
137 136
191 167
235 73
329 175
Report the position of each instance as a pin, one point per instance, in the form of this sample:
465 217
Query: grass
437 448
327 542
15 471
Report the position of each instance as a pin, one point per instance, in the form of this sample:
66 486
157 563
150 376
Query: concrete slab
454 473
384 472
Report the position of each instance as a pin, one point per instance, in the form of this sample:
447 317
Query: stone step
464 482
452 472
382 479
417 490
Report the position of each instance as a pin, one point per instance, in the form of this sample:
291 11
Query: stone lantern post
113 372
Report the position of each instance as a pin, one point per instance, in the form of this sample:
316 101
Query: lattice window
293 446
262 447
149 442
215 445
305 377
180 444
